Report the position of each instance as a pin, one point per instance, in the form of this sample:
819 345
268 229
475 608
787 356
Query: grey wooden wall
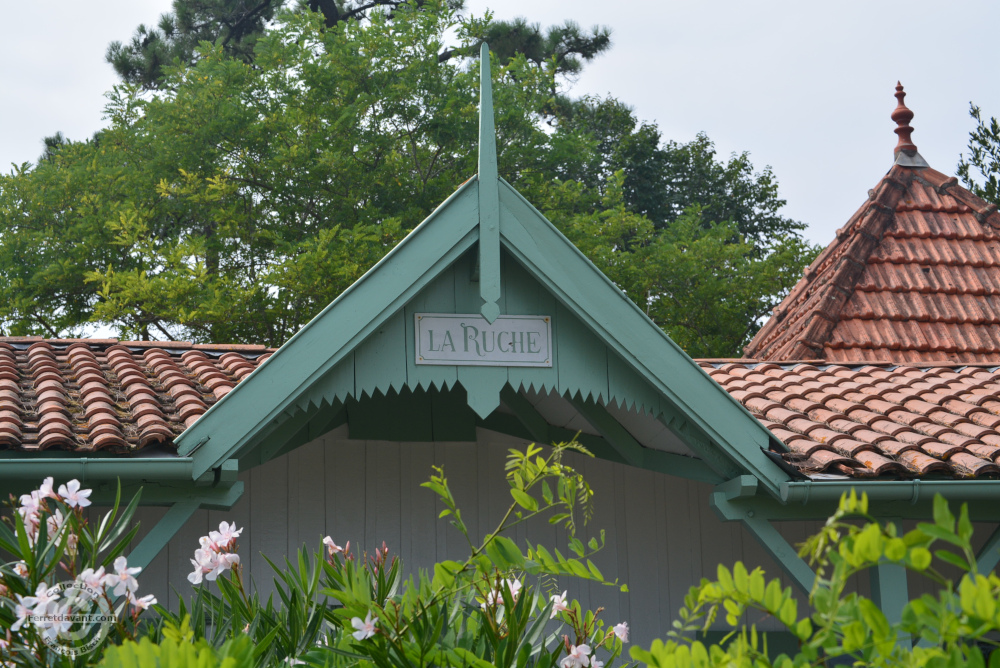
662 537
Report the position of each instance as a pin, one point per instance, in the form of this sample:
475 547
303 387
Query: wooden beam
889 590
612 431
768 537
989 556
653 460
161 533
533 422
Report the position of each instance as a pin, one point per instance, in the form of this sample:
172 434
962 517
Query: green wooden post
989 556
760 526
889 590
489 198
160 535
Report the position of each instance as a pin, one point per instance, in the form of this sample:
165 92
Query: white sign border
420 361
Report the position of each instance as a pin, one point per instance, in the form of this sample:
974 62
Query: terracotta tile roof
867 421
90 395
913 277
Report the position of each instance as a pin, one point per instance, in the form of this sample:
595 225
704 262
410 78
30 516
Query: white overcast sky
805 87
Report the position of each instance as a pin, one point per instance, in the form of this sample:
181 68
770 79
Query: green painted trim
889 590
769 538
274 386
536 425
901 506
33 468
913 491
653 460
563 270
989 556
489 202
161 533
220 497
613 432
327 420
738 488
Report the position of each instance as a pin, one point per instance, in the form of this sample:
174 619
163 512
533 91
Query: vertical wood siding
661 535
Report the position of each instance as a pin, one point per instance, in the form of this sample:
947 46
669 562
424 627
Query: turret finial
902 115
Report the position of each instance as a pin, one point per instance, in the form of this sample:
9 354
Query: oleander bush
65 572
498 607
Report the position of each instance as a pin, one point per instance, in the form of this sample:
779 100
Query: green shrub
947 630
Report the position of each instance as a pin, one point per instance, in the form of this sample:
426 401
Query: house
486 329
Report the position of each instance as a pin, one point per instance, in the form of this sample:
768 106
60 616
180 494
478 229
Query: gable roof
913 277
318 369
103 395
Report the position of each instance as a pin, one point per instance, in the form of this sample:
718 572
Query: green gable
484 253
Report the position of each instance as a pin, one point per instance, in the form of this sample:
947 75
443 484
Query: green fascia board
234 421
607 311
34 469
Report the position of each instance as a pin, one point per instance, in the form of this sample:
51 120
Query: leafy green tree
236 25
665 179
706 284
980 170
242 198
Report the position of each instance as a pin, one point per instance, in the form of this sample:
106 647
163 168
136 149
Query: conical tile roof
913 277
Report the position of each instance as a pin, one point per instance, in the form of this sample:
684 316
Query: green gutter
891 490
83 468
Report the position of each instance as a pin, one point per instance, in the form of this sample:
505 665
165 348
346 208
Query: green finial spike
489 196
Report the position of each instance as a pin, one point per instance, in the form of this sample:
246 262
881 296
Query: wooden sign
470 340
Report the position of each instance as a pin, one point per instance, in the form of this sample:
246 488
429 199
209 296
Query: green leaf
919 558
953 559
895 549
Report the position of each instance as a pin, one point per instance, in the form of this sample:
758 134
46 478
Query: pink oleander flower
30 505
73 495
122 578
204 563
21 569
495 597
365 628
578 657
41 599
57 620
226 536
332 548
22 611
206 543
621 630
141 603
54 524
45 491
223 562
596 663
558 605
92 579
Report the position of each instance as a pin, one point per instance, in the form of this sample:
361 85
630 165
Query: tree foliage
243 197
236 25
980 170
